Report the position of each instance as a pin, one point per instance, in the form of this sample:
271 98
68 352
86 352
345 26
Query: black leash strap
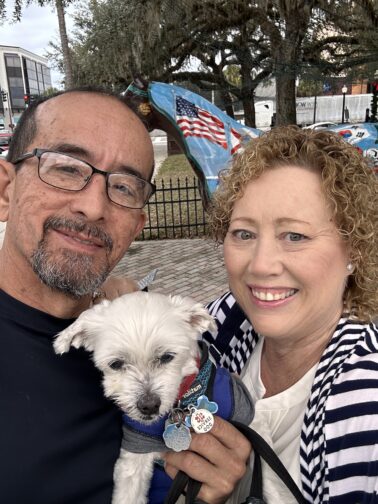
177 487
181 481
194 487
256 491
261 450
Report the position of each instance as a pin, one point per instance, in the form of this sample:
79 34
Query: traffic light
27 98
4 95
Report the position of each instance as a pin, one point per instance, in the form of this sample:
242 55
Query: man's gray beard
70 273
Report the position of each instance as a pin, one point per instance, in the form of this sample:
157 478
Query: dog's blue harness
233 400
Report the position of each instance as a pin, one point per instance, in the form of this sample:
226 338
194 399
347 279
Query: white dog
145 344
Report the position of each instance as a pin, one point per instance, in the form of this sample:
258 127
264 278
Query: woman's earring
350 267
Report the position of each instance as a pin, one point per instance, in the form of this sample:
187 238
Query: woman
297 216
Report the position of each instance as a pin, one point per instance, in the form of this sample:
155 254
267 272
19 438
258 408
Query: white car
3 153
320 125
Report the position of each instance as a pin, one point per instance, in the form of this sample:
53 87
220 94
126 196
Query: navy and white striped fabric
339 440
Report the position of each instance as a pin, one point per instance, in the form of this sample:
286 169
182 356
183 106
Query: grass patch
175 167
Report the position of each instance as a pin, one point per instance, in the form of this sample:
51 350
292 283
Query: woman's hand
218 459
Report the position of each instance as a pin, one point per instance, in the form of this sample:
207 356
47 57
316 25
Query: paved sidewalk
190 267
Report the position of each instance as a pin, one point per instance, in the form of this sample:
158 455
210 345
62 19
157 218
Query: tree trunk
285 100
285 63
227 102
67 63
247 85
247 92
249 110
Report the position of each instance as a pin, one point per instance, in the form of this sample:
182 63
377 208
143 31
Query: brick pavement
190 267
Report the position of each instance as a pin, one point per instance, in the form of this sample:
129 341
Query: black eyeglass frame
37 152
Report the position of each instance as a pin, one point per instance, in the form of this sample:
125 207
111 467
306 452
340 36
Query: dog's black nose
149 404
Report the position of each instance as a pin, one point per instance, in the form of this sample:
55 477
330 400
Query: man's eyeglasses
67 172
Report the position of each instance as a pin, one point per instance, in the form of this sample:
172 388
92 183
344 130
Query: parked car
320 125
5 138
3 152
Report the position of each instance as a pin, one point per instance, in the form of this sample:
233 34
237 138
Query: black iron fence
175 211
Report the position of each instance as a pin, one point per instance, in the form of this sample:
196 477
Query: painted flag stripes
236 140
197 122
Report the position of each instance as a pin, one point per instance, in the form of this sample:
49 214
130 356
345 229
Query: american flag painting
208 136
195 121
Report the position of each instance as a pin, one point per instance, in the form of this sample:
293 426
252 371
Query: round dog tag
177 437
201 420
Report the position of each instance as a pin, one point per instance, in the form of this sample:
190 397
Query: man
72 193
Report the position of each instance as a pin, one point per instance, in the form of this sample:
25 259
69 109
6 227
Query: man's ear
140 224
7 176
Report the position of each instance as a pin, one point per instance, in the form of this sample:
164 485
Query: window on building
15 83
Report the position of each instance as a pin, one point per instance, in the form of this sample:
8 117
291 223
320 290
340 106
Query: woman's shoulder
352 345
351 412
361 336
355 362
351 336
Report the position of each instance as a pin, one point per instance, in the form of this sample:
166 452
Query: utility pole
8 119
344 90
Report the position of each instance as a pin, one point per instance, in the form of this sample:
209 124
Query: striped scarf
339 439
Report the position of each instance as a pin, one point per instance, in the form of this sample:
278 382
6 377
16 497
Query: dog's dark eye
167 357
116 364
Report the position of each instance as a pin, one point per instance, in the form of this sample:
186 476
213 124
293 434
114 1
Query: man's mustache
90 230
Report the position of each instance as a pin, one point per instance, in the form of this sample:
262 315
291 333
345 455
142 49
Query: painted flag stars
197 122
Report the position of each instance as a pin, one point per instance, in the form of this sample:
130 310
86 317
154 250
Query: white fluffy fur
138 329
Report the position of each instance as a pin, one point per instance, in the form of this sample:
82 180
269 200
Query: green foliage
232 75
310 88
60 6
50 91
225 45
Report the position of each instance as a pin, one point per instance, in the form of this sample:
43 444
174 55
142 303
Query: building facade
22 75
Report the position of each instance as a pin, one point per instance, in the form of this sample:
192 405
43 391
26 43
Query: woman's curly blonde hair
350 187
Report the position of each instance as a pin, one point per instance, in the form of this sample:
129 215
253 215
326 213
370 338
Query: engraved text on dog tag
201 420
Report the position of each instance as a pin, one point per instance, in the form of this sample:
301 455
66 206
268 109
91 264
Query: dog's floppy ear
197 316
81 332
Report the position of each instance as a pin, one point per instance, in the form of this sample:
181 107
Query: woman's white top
279 420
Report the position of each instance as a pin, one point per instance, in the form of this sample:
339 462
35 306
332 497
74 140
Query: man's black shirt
59 436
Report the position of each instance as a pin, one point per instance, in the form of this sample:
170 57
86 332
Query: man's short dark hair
27 126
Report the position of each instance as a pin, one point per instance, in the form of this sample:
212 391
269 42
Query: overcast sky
38 26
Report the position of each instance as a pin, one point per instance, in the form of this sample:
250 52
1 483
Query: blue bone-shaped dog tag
202 403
